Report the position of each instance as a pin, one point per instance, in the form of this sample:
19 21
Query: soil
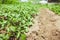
46 26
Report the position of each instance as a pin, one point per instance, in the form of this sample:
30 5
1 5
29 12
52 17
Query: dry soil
46 26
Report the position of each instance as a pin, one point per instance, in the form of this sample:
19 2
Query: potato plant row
55 8
15 20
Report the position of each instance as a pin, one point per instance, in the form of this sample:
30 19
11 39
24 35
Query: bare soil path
46 26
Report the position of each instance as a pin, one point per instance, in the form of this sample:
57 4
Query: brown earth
46 26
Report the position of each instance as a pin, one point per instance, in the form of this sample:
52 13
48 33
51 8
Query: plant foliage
55 8
15 20
9 1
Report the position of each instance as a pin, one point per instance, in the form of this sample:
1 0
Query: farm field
15 20
28 21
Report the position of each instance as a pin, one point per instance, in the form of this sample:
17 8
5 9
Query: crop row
15 20
55 8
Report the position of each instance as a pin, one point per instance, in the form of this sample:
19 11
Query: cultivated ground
46 26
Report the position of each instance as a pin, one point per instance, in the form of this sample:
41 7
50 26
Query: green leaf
12 28
18 34
23 37
1 38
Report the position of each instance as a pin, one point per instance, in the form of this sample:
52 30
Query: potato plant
15 20
55 8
